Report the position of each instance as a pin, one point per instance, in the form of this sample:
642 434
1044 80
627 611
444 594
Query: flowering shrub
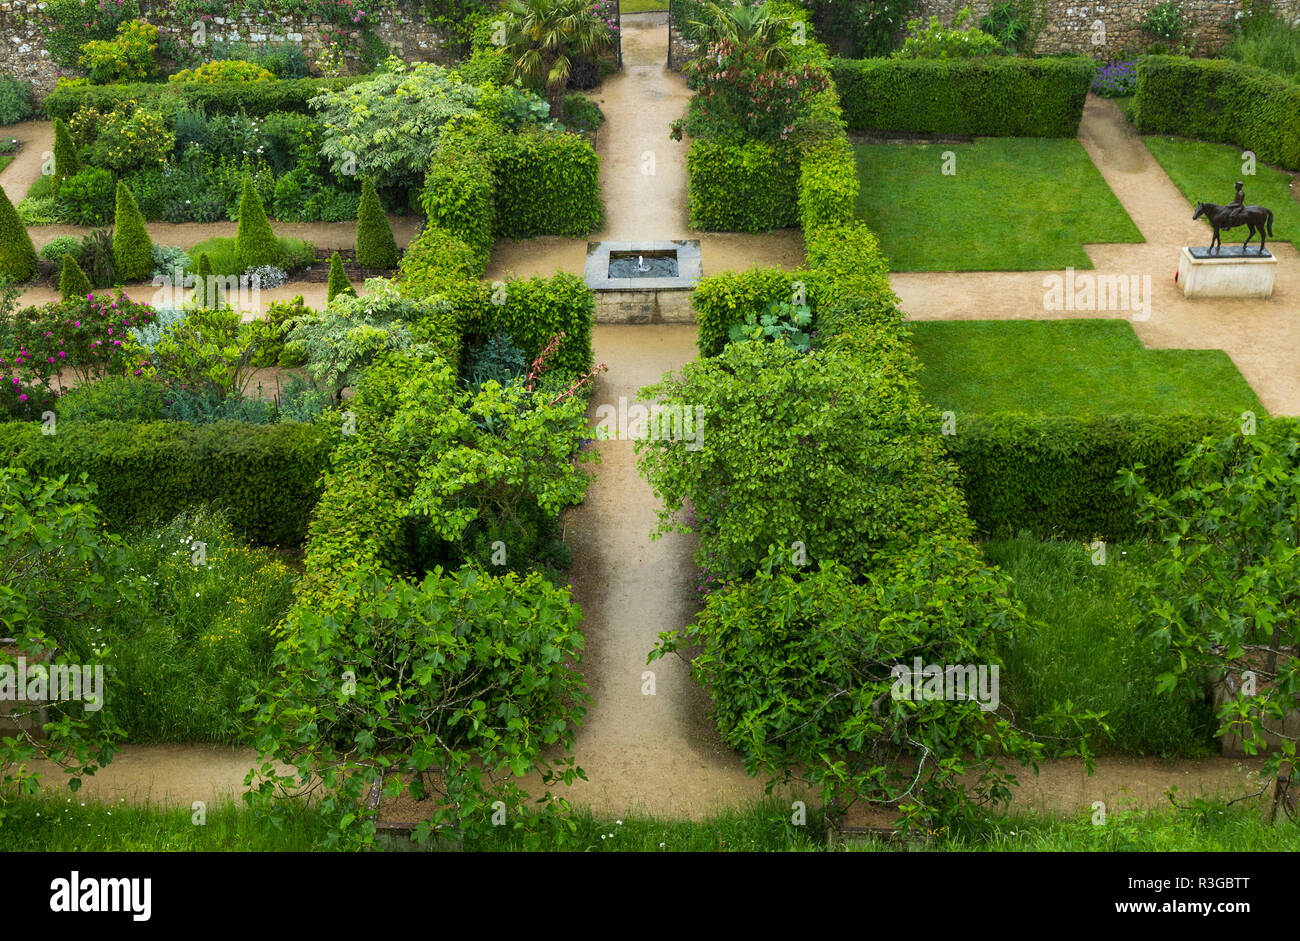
1115 79
344 12
131 57
607 12
937 41
90 335
124 140
737 94
228 70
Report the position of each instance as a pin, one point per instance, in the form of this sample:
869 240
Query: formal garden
330 513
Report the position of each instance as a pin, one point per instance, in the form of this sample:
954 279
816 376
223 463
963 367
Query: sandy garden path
1261 336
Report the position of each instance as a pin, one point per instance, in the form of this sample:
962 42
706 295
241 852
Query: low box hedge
998 96
254 98
1221 101
266 476
1055 476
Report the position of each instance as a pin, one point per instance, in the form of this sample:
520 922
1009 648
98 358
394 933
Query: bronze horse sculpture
1255 218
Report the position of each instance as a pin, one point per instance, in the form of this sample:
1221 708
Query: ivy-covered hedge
1222 101
750 187
999 96
267 476
1054 476
547 184
828 185
253 98
459 196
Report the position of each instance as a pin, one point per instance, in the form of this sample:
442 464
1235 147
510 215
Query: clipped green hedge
1222 101
459 196
1054 476
751 187
722 301
998 96
254 98
536 309
547 184
267 476
828 185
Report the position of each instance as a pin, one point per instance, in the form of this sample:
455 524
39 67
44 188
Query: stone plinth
1229 273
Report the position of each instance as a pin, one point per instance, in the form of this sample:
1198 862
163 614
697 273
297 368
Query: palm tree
543 38
744 22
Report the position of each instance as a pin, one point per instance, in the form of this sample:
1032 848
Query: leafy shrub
459 191
581 113
1015 24
15 100
17 253
113 398
255 242
227 70
1166 21
483 67
87 333
266 276
723 301
936 41
994 97
66 161
537 309
169 262
780 322
130 57
751 187
132 248
88 197
256 99
60 245
266 476
828 185
497 360
1221 101
375 245
547 184
128 139
211 352
438 264
97 258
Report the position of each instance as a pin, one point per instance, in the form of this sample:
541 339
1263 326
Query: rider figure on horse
1236 209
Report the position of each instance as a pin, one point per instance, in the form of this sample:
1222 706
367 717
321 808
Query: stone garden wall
402 27
1070 26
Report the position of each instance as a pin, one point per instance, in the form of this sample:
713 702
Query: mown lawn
1013 204
641 6
1205 173
1071 367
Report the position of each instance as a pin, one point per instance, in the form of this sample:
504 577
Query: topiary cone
132 247
376 247
255 242
339 283
72 280
66 161
17 253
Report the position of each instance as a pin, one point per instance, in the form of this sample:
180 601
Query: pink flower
23 397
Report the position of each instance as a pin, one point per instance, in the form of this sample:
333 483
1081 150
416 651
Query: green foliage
66 161
113 398
1267 41
751 187
375 245
15 100
132 247
212 352
1053 476
96 257
60 245
1166 21
1084 644
436 264
78 22
265 475
207 292
536 309
828 185
497 360
52 539
1015 24
546 39
936 41
228 70
1222 101
130 57
780 322
256 99
1222 597
723 301
387 126
581 113
547 184
255 242
459 190
88 197
338 283
17 253
72 280
993 97
494 683
804 669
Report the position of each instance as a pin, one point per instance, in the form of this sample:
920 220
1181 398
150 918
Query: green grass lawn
1205 173
5 160
641 6
1013 204
1070 367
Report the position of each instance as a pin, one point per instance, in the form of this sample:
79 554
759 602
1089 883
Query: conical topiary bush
255 242
17 253
66 161
72 280
375 245
132 248
339 283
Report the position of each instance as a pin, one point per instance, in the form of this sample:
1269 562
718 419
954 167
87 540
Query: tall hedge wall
1222 101
1054 476
547 184
992 97
267 476
254 98
750 187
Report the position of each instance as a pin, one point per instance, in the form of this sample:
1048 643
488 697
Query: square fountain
643 282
